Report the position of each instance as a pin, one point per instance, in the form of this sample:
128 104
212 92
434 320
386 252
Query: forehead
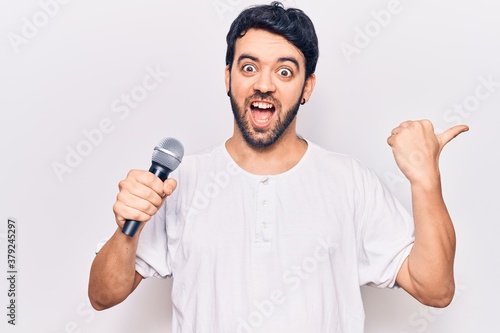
267 47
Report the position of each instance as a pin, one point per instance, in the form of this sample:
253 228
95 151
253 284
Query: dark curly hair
292 23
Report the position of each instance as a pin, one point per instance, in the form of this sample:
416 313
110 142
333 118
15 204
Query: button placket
265 212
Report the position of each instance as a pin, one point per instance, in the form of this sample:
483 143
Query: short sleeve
386 233
152 252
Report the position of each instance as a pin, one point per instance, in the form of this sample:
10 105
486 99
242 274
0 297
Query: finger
133 188
139 203
123 212
169 186
390 140
406 123
451 133
403 125
148 179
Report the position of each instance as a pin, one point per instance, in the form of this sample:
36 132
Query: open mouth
262 112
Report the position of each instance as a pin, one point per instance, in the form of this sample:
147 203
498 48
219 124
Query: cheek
240 90
294 93
238 83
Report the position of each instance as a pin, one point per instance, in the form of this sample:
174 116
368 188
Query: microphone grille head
168 153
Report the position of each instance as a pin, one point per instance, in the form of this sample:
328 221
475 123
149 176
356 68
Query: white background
65 78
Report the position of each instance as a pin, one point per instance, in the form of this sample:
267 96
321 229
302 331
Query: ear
309 86
227 78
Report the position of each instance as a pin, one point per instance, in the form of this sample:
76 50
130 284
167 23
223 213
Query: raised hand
416 148
141 195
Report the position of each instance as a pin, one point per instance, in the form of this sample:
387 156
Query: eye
249 68
285 72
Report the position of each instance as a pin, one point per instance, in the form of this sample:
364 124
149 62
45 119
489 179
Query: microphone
167 156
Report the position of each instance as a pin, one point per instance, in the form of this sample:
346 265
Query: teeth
262 105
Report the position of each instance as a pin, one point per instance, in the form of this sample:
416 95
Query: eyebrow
282 59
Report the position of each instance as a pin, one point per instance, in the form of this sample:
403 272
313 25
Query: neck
277 158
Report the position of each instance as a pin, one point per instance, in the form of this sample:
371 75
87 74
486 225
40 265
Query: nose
264 82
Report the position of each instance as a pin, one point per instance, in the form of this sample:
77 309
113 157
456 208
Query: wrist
426 184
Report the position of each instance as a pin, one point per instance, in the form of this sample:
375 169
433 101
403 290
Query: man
269 232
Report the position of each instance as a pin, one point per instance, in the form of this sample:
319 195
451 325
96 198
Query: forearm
112 275
430 263
427 273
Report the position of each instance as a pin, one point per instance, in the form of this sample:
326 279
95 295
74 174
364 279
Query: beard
269 136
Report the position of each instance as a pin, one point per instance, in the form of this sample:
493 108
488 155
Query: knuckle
138 216
148 176
146 193
120 197
156 201
426 123
135 214
116 207
144 206
133 172
122 184
138 175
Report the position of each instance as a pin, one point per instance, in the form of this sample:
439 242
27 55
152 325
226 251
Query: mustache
264 97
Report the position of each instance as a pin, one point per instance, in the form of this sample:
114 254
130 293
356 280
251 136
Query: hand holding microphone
142 193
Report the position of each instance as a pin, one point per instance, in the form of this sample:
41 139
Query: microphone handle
130 227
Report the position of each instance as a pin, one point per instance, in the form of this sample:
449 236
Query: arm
427 273
113 276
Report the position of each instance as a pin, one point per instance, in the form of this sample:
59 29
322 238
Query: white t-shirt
282 253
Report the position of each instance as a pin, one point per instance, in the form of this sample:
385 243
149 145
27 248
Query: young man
269 232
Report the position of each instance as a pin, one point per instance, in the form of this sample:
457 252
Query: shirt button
264 225
265 181
265 203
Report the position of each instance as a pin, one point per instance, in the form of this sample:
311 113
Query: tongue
262 115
